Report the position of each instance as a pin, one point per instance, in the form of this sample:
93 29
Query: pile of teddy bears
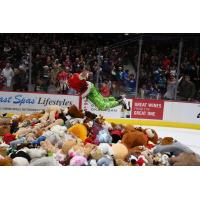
72 137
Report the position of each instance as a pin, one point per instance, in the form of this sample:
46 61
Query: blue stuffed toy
104 137
14 143
38 140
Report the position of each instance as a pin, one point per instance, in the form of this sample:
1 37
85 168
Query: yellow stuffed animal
79 130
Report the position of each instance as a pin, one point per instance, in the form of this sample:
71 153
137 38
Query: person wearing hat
78 81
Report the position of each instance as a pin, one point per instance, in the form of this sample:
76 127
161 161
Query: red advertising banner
147 109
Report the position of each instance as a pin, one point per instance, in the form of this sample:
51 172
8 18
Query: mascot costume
87 89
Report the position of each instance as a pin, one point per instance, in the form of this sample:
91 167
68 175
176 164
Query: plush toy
6 161
30 137
67 145
35 153
96 154
77 149
185 159
20 158
120 162
25 123
45 161
59 122
17 142
90 115
161 159
106 149
60 156
88 149
96 128
137 161
78 160
120 151
38 140
57 135
133 137
5 121
116 131
50 114
23 132
104 137
174 149
29 117
4 129
14 126
105 161
20 153
167 141
3 151
20 161
142 161
79 130
74 112
46 145
7 138
148 154
152 135
136 151
72 121
92 162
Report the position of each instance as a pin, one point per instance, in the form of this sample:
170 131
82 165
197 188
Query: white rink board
181 112
18 102
110 113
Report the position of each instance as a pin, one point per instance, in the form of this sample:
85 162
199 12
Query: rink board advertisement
16 102
147 109
21 102
182 112
114 113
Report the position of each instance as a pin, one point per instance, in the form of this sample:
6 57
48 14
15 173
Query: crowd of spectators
54 57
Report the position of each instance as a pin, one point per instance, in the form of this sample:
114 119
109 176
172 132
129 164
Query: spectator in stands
105 90
8 73
153 92
171 87
54 73
143 92
46 78
19 79
62 78
187 89
2 81
166 63
131 83
115 90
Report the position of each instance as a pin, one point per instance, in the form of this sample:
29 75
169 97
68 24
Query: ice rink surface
189 137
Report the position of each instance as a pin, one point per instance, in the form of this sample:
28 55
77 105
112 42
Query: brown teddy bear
133 137
151 134
74 112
